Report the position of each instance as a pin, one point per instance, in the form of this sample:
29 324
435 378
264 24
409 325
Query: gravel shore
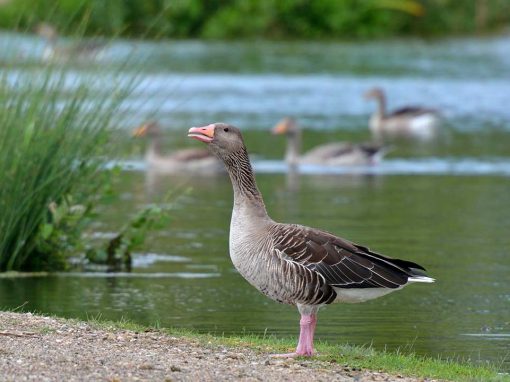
38 348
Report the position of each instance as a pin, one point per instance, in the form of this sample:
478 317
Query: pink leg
305 345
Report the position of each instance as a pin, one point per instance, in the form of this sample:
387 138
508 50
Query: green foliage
53 133
296 19
58 235
117 253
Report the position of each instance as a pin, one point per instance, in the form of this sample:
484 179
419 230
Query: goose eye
225 129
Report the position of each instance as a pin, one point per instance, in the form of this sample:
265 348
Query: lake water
445 205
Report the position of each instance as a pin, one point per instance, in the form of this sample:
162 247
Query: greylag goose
181 161
55 50
332 154
294 264
410 121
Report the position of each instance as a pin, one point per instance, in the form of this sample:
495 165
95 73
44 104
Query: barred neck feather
243 180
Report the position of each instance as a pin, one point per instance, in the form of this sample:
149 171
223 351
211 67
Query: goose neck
293 147
381 105
154 146
246 193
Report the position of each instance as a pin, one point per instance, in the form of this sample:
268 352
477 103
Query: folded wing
343 264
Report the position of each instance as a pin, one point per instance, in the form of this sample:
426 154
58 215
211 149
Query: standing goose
332 154
294 264
183 161
410 121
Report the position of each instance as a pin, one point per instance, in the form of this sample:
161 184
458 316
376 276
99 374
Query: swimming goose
332 154
54 50
291 263
180 161
410 121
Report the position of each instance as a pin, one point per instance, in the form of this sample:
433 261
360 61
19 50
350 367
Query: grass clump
54 131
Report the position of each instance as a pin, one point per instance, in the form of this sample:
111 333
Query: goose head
374 93
223 139
286 126
149 129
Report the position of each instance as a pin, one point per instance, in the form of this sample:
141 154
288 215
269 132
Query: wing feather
341 263
411 111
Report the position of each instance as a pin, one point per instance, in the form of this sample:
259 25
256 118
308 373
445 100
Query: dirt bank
38 348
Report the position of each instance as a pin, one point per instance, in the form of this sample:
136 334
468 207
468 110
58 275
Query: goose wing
342 149
342 263
330 150
411 111
372 149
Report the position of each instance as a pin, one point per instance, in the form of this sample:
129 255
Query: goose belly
355 295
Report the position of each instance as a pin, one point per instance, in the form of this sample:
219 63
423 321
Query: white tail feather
421 279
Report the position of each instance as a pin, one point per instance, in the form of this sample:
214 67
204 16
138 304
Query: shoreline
36 347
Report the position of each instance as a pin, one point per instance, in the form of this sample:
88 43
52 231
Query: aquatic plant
115 254
54 132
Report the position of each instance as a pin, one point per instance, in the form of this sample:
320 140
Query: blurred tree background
272 19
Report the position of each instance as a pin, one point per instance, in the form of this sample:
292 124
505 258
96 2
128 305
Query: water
444 205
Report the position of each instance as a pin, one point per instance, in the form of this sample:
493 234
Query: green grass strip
364 357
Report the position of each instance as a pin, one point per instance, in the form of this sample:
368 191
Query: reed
54 132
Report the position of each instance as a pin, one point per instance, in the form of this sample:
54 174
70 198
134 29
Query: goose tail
421 279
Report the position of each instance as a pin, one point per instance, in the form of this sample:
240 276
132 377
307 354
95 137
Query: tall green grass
54 132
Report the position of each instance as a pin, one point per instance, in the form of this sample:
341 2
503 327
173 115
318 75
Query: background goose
332 154
294 264
54 50
180 161
410 121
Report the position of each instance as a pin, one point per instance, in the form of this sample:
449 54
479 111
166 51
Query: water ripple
154 275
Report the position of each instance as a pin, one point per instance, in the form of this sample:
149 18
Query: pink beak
204 134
